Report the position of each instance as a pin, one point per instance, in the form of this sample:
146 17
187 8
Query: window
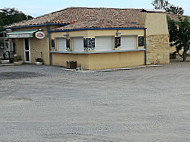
77 44
61 44
128 43
104 43
89 43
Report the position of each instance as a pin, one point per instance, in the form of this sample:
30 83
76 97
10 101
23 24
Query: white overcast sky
39 7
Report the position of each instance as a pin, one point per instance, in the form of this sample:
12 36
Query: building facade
96 38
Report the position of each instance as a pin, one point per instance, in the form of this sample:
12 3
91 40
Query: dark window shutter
89 42
52 43
92 42
141 40
85 42
68 43
117 42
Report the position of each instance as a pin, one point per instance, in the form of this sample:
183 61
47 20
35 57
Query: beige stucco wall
36 46
93 33
100 61
116 60
157 37
60 59
158 49
97 61
19 47
156 24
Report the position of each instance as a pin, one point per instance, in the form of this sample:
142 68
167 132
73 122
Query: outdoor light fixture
65 35
118 34
8 30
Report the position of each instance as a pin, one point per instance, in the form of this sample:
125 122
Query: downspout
145 46
49 37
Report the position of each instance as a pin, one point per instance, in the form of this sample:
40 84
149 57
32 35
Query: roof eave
38 25
83 29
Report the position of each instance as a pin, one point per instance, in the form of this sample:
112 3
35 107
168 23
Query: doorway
27 57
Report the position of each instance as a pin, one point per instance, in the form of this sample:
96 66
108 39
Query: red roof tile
81 17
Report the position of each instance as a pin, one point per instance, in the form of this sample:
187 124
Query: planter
39 63
18 63
5 61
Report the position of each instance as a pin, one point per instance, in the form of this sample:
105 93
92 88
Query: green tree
168 7
12 15
160 4
180 35
174 9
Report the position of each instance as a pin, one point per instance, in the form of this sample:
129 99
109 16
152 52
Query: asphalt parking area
42 103
18 75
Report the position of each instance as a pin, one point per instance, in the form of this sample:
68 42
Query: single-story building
97 38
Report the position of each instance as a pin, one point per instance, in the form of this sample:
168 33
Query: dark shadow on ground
18 75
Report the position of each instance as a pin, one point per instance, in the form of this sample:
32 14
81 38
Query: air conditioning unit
71 64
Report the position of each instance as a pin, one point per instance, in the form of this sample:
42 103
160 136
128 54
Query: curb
116 69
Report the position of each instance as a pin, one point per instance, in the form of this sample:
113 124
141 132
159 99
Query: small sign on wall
39 35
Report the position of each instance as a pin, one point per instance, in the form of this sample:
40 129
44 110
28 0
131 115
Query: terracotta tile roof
81 17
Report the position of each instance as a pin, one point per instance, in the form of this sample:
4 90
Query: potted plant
39 61
4 59
17 60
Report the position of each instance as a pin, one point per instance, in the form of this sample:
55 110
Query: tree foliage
12 15
180 35
160 4
168 7
174 9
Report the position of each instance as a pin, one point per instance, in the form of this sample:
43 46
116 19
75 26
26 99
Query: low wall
98 61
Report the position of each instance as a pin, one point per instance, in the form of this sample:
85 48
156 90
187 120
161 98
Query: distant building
97 38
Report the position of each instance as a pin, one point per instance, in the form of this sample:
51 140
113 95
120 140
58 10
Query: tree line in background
11 15
168 7
179 30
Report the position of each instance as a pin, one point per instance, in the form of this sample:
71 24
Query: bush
17 58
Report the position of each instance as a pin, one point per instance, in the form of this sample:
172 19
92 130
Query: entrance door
27 57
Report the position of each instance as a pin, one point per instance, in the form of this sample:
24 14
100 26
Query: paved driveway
49 104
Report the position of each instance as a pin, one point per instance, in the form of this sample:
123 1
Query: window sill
95 52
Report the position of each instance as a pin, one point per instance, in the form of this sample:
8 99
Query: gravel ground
49 104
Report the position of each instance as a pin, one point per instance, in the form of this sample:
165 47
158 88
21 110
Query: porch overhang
21 34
